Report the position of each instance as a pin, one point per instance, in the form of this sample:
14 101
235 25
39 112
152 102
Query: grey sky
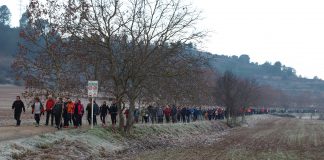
290 31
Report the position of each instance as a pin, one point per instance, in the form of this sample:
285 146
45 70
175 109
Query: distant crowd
64 113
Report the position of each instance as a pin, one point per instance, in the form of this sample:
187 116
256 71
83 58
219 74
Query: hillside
8 48
276 75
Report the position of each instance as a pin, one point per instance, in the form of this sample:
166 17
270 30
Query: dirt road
8 130
279 138
13 132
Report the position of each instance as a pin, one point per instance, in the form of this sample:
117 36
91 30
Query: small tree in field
236 94
227 93
249 95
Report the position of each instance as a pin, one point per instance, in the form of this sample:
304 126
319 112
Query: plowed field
279 138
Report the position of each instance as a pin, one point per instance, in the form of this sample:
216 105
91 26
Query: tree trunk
130 119
228 115
121 116
243 115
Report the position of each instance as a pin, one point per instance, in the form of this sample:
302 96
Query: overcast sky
290 31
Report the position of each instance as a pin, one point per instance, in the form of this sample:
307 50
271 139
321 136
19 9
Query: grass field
280 138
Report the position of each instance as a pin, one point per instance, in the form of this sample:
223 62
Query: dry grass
281 138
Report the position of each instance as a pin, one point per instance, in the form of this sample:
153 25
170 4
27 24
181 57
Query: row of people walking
63 112
176 114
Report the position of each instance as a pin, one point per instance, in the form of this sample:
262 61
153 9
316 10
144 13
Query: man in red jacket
167 113
49 106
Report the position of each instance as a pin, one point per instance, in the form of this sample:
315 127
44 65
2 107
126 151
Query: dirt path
279 138
13 132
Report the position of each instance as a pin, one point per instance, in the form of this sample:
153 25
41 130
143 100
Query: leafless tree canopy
126 45
237 94
138 50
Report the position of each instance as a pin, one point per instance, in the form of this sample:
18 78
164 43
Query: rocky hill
276 75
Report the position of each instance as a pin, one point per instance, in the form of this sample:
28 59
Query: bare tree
123 44
43 60
237 95
249 95
139 38
227 93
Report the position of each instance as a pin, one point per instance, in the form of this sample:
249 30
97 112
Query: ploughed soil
275 138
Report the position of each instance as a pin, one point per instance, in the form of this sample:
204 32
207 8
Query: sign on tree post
92 92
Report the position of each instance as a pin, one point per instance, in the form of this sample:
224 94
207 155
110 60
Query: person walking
183 114
68 112
152 113
136 115
167 113
37 110
49 113
145 115
95 112
188 114
210 114
78 112
103 113
18 106
178 114
174 112
160 115
58 113
113 113
195 114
